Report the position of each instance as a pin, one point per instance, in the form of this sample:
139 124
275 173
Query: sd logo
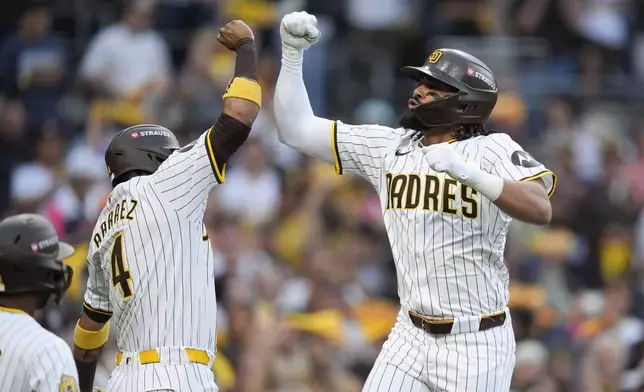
435 56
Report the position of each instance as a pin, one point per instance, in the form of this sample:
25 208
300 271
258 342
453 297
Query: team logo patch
523 159
434 57
68 384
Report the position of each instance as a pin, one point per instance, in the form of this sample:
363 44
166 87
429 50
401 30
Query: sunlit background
305 279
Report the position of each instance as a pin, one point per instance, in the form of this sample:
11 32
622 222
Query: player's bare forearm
526 201
87 358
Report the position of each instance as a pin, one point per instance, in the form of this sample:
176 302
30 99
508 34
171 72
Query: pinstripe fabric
32 358
401 365
412 360
447 240
448 243
169 298
476 361
188 378
174 373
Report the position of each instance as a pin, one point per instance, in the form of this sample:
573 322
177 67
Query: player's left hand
442 158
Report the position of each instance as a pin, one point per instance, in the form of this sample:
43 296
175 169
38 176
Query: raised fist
442 158
299 30
233 32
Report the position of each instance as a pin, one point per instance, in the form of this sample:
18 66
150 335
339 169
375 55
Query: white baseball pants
174 373
412 360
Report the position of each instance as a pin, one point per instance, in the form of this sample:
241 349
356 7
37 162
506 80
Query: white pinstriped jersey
447 240
150 263
33 359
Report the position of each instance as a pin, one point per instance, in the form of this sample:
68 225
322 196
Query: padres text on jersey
447 240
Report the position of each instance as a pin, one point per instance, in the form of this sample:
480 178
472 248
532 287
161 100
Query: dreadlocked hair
466 131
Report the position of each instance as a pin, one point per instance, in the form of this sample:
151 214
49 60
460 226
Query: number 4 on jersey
120 275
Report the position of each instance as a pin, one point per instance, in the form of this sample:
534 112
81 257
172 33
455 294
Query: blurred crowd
305 279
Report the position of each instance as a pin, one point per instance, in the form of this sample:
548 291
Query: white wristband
292 59
486 184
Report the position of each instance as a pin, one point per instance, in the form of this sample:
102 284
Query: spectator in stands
203 78
530 369
81 197
175 19
128 65
33 66
33 183
253 188
13 147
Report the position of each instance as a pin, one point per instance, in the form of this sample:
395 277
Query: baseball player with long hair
150 263
449 189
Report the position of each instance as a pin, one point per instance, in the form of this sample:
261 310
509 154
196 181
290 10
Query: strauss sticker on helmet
482 78
36 246
134 135
471 71
153 133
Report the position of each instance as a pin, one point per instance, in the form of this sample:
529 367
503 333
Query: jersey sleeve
507 159
53 369
96 302
186 178
360 149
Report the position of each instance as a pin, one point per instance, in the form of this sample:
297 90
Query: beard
410 121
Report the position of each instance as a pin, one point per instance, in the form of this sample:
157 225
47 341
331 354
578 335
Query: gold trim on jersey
540 175
452 141
220 175
103 312
334 146
100 316
12 310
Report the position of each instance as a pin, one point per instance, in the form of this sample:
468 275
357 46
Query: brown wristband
246 64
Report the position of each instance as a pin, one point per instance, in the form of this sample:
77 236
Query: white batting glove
442 158
299 31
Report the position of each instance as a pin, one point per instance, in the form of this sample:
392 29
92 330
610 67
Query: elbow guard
227 136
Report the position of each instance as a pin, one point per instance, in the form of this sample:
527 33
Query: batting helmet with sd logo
472 82
141 148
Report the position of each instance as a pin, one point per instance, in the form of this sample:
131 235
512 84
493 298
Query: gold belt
152 356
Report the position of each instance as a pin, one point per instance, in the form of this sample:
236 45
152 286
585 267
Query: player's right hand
299 30
233 32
